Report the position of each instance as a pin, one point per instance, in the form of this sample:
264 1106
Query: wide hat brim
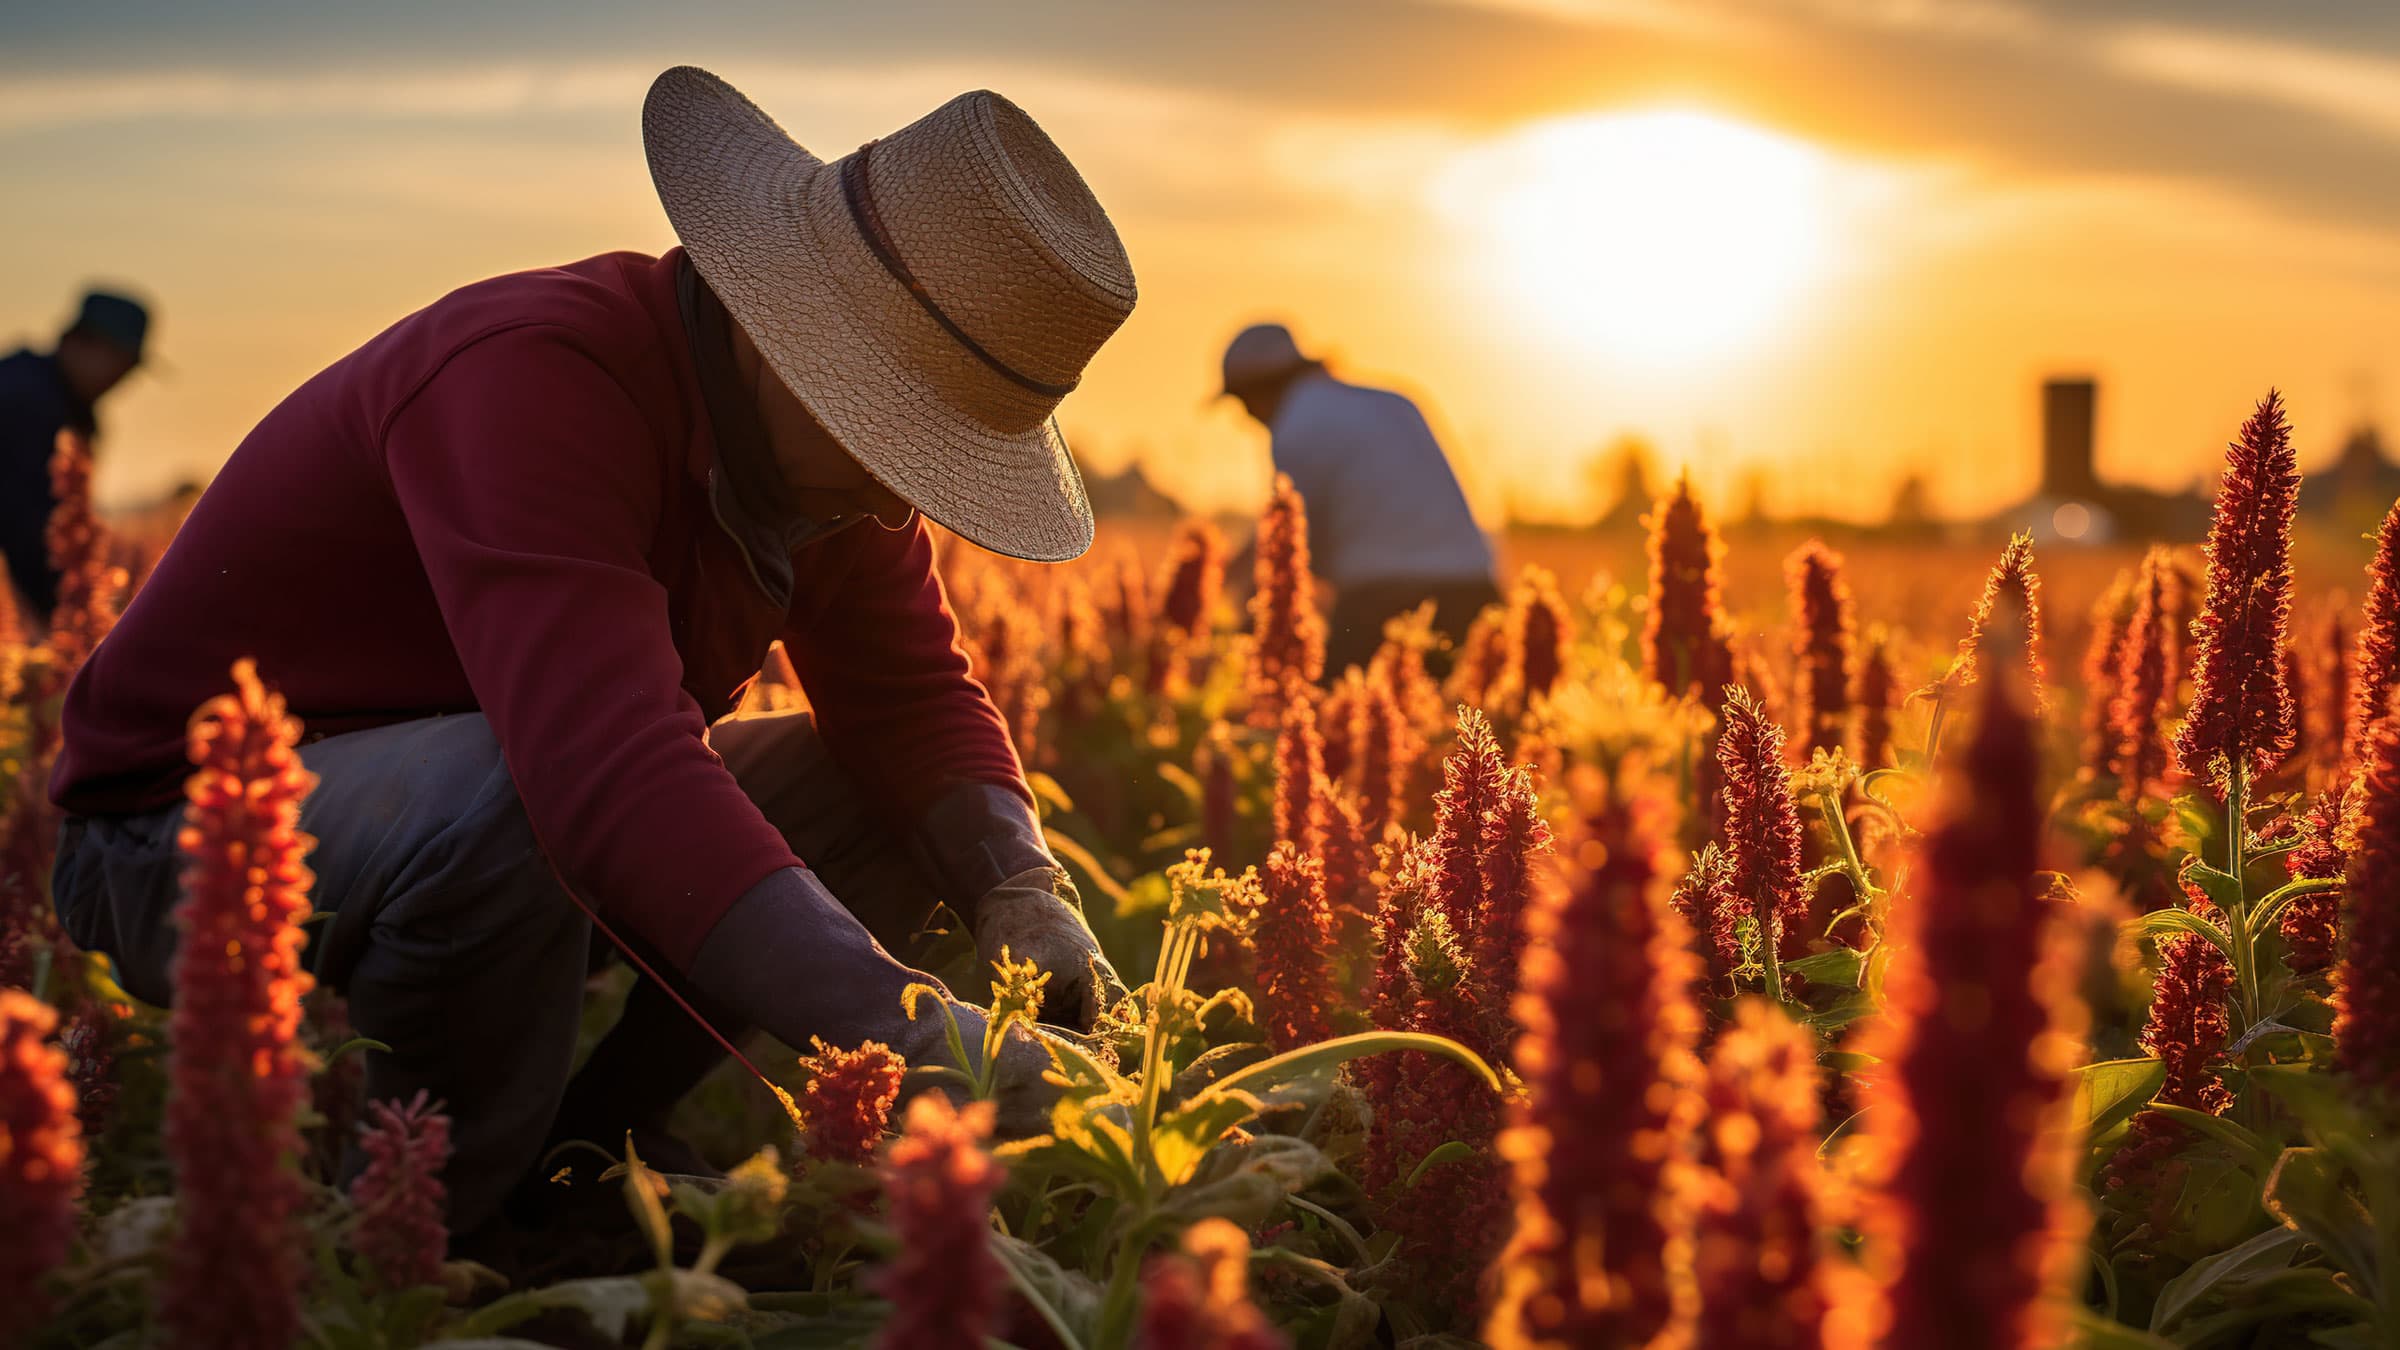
761 220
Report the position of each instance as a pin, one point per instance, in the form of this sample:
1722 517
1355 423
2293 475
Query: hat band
870 228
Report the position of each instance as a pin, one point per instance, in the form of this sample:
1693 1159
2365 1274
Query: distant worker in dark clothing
42 394
1388 525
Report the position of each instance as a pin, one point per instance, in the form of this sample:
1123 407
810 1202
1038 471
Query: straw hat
930 297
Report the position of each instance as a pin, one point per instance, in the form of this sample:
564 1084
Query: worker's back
1383 503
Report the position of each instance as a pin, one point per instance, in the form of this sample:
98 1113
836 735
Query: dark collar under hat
746 488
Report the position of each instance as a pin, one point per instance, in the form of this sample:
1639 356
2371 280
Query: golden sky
1823 241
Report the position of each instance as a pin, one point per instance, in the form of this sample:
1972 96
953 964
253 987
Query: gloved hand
789 959
1036 916
984 843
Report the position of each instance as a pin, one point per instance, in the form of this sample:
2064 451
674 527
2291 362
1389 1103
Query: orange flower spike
239 1076
41 1160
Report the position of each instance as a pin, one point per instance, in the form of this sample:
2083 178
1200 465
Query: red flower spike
1198 1298
2014 585
1338 718
1878 696
1821 607
1349 881
2334 743
2144 698
1289 633
2242 713
1388 747
1706 900
239 1075
399 1197
1474 776
1762 826
943 1280
2312 924
1195 575
1514 836
1594 1147
79 550
2112 619
2375 663
1683 639
1452 1221
41 1160
2367 983
1218 791
1756 1254
1482 660
1975 1223
1536 640
1289 936
1300 787
848 1100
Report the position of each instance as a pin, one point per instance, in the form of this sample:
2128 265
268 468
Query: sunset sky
1829 241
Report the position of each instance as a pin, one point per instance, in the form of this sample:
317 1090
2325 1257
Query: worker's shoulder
26 373
601 304
1330 405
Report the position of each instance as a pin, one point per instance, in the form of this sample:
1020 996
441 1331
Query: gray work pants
454 945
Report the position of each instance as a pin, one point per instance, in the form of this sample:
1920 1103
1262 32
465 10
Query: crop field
1740 938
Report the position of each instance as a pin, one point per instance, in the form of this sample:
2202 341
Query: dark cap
120 321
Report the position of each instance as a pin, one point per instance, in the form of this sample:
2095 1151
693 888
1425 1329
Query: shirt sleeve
882 665
532 484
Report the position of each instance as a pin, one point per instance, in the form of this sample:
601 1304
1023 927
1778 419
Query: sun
1656 235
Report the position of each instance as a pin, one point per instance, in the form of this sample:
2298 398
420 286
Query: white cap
1259 353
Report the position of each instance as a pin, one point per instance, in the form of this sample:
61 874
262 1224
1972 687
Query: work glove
788 958
1036 916
984 845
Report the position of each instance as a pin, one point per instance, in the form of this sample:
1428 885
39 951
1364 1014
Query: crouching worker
510 560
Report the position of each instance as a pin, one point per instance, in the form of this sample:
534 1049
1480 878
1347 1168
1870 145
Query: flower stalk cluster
1594 1147
2242 721
1821 648
1287 632
944 1281
847 1101
239 1074
1975 1224
399 1196
41 1160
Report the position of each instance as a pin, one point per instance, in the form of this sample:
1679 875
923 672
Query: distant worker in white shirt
1388 526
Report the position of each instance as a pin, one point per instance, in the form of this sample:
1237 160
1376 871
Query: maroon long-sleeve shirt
503 502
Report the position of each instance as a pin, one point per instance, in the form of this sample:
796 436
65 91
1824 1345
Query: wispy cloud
2359 89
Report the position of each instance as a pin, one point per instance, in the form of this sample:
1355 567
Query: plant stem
1770 937
2245 951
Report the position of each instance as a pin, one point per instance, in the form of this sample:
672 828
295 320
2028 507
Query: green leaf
1244 1186
352 1046
2094 1332
2246 1145
1839 967
2223 888
1087 866
1182 1137
2305 1192
1450 1152
2316 1097
2270 1250
1047 791
2165 922
2114 1089
1326 1054
641 1196
1068 1300
2270 910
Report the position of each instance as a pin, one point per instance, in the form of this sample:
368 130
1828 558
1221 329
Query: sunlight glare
1659 235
